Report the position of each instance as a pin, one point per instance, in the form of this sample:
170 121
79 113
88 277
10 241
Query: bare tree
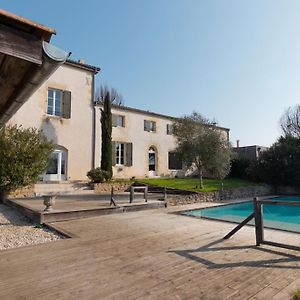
114 96
290 121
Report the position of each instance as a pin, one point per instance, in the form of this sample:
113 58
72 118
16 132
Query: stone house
63 107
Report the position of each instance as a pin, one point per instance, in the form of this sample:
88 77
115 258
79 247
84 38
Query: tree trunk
201 178
3 196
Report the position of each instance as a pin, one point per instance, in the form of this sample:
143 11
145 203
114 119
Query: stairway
62 188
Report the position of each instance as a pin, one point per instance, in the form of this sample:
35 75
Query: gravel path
16 230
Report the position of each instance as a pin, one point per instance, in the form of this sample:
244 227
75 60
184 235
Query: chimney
238 143
81 61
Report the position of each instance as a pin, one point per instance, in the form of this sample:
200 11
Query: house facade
64 109
143 143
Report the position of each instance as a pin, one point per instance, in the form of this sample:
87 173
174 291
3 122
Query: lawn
192 184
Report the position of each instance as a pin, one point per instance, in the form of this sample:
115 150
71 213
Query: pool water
275 216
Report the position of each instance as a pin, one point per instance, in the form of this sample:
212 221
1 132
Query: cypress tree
106 128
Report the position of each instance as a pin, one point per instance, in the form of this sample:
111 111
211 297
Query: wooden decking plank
141 255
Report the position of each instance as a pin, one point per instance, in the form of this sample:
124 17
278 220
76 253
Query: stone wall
246 192
23 192
288 190
105 187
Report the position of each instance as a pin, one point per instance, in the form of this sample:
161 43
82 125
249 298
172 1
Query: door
152 162
57 167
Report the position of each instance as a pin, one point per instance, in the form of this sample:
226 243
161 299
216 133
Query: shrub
239 167
297 295
98 175
280 164
24 155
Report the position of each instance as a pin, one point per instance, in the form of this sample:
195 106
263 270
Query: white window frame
170 129
55 92
152 126
120 118
120 160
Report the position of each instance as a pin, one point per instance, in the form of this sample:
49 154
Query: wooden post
131 194
258 215
165 194
146 193
112 200
237 228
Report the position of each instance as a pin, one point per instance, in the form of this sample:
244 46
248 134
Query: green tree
239 167
280 164
24 156
200 144
106 128
106 98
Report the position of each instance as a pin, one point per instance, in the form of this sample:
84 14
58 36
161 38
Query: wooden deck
151 255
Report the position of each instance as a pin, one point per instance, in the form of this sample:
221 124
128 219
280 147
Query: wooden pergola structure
27 59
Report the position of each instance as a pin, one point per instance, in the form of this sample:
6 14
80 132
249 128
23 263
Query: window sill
53 117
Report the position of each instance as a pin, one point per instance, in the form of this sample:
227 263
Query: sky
237 62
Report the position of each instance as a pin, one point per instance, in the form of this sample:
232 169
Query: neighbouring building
252 152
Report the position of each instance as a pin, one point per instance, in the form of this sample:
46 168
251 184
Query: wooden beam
12 72
237 228
20 44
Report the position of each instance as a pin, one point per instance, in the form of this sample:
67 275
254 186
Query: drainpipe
94 124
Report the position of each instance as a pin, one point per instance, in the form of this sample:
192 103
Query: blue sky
235 61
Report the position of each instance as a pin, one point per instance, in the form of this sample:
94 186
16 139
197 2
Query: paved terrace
82 205
151 255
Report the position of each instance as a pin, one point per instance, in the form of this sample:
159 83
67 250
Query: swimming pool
275 216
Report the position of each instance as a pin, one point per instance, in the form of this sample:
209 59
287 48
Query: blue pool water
275 216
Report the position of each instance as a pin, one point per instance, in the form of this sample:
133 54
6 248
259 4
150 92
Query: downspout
94 124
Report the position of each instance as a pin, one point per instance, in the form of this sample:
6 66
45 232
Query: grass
192 184
297 295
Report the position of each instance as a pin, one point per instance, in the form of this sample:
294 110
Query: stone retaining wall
219 196
105 187
288 190
23 192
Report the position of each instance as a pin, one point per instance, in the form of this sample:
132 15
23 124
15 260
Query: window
175 162
54 102
59 103
118 121
120 154
170 129
149 126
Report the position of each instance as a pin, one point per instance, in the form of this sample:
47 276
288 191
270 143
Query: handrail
277 202
257 215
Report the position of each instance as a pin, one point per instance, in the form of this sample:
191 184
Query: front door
57 167
152 162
